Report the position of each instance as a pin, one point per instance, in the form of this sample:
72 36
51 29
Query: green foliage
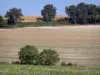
63 63
28 55
49 57
71 11
3 62
26 24
1 22
9 69
35 24
16 62
69 64
14 15
48 12
41 23
83 13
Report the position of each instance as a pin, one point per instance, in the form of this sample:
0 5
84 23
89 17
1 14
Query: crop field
75 44
8 69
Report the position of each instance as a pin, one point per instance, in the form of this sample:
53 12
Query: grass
28 24
36 24
11 69
41 23
20 25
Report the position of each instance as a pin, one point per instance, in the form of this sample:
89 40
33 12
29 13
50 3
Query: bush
49 57
1 22
16 62
43 23
3 62
28 55
69 64
63 63
40 23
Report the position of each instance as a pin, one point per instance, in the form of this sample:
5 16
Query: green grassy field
9 69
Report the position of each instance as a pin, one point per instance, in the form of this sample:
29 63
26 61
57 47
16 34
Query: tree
1 22
48 12
28 55
83 13
49 57
98 14
14 15
71 11
92 13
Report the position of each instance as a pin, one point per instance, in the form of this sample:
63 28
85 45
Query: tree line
81 13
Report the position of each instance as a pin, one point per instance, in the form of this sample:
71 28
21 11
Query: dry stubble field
34 18
75 44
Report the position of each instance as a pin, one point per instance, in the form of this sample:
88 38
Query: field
33 18
7 69
75 44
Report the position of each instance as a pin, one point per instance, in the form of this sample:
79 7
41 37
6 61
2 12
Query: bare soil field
75 44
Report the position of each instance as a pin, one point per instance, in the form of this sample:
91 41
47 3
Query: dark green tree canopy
83 13
71 11
48 12
14 15
14 12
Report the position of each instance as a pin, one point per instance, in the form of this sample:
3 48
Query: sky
34 7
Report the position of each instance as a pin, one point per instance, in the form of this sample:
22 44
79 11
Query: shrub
69 64
49 57
1 22
16 62
41 23
3 62
75 64
63 63
28 55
